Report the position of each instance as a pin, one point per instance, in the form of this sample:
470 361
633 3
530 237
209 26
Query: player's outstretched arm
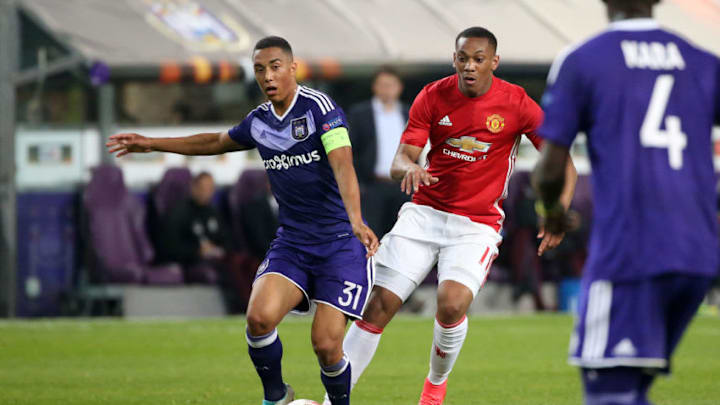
405 169
341 162
199 144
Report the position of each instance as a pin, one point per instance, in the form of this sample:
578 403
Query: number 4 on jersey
672 137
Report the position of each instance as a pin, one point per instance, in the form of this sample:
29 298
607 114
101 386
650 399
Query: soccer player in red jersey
474 122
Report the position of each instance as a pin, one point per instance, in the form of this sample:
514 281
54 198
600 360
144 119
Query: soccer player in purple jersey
322 252
647 100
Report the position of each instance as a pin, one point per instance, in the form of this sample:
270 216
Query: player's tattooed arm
340 160
405 169
200 144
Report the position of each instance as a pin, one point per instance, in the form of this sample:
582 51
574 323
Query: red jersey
474 142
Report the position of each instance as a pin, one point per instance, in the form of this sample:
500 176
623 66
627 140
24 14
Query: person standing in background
377 125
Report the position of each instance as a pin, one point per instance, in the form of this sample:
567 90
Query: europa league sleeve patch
335 138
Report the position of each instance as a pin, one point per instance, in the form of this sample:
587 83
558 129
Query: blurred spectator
524 262
180 113
376 128
530 271
259 218
194 234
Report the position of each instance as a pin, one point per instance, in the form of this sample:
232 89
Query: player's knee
328 349
375 313
260 323
450 311
381 308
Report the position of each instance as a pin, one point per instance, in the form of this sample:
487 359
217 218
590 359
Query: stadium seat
118 247
172 188
250 183
519 181
243 264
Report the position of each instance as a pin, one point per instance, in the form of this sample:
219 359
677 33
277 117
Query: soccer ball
303 402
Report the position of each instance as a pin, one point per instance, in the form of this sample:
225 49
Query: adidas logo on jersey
445 121
624 348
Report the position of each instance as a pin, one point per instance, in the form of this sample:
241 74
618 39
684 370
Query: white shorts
424 236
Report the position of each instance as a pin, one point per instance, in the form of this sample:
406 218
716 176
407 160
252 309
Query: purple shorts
636 323
334 273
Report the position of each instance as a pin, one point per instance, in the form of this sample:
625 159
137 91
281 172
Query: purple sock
336 379
266 354
615 386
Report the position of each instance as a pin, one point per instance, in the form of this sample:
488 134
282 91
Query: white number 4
348 291
672 137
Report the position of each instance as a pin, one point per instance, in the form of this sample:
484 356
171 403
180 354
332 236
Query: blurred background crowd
84 229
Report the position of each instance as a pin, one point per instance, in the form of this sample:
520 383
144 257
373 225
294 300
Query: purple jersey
302 181
647 100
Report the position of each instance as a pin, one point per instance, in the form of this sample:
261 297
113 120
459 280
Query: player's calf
326 336
448 339
266 354
449 334
272 298
363 337
336 379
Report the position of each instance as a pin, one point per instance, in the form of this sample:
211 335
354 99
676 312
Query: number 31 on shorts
351 294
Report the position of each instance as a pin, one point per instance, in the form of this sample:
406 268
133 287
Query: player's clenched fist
128 143
414 177
367 237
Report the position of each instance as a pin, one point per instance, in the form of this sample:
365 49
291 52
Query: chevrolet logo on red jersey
468 144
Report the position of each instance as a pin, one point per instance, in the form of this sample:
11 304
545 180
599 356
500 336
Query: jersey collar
493 84
292 104
634 24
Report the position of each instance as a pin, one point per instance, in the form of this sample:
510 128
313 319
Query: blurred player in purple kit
322 249
647 100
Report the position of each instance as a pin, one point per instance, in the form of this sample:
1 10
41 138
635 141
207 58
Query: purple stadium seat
202 272
173 187
243 264
518 182
116 236
251 183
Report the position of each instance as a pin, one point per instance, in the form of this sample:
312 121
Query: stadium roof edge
131 36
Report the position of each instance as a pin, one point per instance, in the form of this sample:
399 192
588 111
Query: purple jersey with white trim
647 100
311 209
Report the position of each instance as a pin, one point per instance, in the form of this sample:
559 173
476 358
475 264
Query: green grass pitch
506 360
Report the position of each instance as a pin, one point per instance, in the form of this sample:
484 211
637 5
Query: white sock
447 342
360 344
